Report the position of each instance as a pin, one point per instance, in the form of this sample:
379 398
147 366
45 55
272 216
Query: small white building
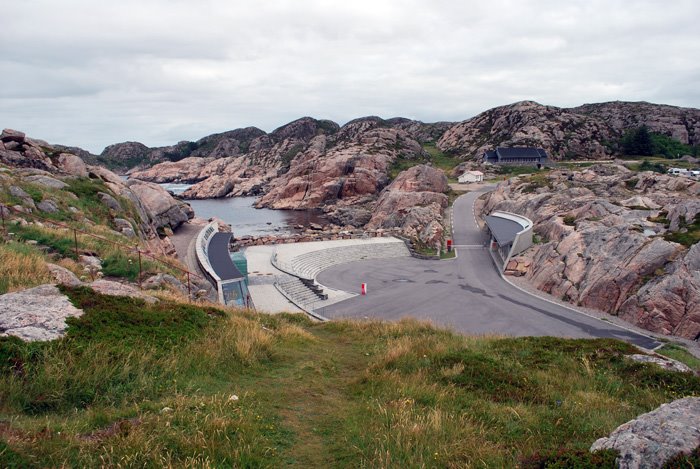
471 176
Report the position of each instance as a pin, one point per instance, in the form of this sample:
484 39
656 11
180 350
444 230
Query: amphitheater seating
305 267
310 264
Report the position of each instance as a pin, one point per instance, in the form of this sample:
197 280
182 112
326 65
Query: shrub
570 220
689 235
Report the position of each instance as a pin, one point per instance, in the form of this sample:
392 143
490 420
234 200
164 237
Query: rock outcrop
36 314
597 252
584 132
129 155
306 163
126 152
665 363
185 171
683 124
653 438
165 210
112 288
414 202
349 169
42 164
19 151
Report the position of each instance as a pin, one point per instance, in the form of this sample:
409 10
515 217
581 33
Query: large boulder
112 288
47 206
63 276
36 314
164 208
72 164
10 135
655 437
46 181
110 201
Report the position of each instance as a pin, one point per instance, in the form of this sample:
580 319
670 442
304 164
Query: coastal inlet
247 220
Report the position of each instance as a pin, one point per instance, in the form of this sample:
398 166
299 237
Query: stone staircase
301 292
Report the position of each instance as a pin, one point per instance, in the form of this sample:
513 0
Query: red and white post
363 289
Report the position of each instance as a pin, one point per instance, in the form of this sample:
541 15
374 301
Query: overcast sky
93 72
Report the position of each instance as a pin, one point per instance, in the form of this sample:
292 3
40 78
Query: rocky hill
613 240
311 164
590 131
45 192
250 161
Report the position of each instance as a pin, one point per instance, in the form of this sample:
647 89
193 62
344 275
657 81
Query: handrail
202 247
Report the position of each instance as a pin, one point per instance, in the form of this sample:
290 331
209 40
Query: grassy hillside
181 385
34 237
435 157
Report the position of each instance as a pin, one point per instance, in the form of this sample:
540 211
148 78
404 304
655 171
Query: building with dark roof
516 156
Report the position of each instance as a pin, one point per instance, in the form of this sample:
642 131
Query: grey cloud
93 73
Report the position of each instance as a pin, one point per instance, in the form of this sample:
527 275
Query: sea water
247 220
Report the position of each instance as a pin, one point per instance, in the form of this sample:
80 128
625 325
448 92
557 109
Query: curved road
466 293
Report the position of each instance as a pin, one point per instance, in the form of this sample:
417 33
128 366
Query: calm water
247 220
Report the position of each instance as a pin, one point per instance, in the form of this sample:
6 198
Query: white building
471 176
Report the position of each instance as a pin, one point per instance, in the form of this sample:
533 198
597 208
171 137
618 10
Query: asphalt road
466 294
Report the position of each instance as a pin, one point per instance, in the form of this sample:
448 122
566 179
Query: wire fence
5 210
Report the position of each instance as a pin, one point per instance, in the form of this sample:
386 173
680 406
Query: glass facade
235 293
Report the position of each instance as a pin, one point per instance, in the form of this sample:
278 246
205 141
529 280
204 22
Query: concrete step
308 265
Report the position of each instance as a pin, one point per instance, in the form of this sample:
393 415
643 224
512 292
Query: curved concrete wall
523 239
201 251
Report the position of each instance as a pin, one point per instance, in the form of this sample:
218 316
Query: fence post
75 241
189 288
139 251
2 213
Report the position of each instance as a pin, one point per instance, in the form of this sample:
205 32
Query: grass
58 240
21 266
436 158
510 171
678 352
687 235
88 200
116 262
183 385
428 251
569 220
531 183
656 164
